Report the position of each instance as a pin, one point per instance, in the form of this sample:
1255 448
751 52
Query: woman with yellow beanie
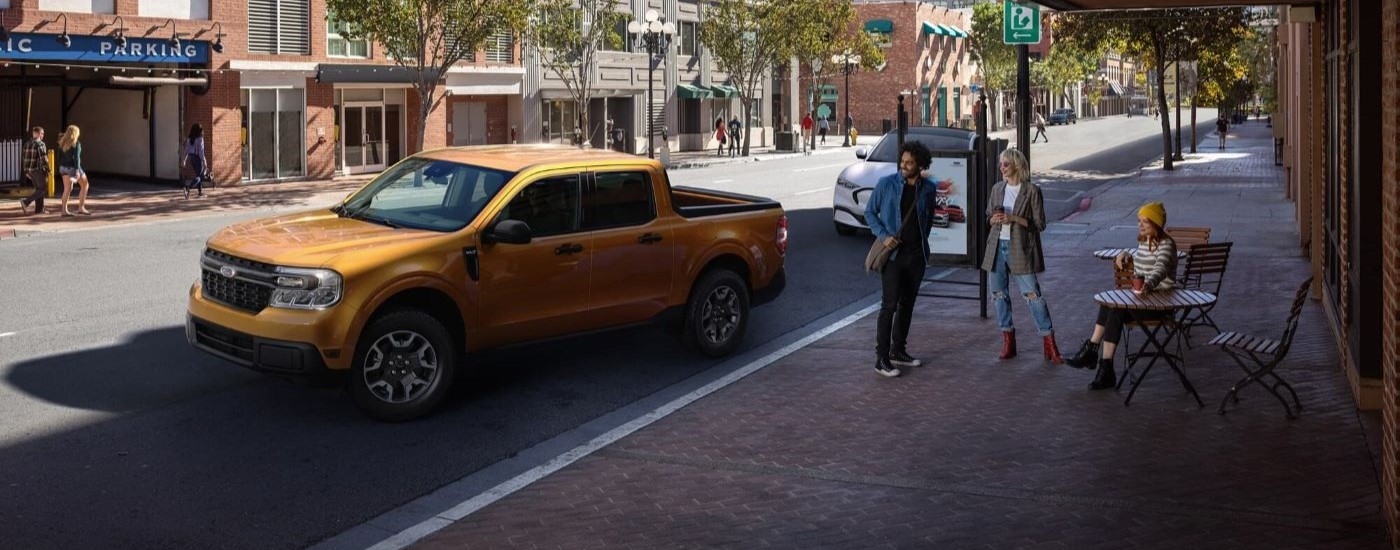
1155 263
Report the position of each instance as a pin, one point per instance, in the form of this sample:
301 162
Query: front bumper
260 354
284 341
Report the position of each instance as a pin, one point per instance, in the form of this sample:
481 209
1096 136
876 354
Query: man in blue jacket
893 197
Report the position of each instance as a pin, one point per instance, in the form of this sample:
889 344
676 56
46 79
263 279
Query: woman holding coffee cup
1154 269
1017 216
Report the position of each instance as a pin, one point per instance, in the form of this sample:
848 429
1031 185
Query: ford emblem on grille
228 271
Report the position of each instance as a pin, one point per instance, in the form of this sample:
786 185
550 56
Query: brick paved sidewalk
815 451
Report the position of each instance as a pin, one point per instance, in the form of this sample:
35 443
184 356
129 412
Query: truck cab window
618 199
549 206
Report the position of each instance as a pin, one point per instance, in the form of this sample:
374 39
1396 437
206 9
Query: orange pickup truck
457 250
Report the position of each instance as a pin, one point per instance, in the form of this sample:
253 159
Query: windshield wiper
362 213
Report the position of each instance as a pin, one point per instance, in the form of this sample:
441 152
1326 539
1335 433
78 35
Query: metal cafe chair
1265 355
1205 271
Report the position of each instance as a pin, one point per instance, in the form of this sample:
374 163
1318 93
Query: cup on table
1138 283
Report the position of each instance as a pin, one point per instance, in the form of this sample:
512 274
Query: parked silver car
855 183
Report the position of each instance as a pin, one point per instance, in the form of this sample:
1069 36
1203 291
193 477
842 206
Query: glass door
364 138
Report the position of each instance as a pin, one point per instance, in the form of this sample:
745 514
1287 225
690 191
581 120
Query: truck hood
309 239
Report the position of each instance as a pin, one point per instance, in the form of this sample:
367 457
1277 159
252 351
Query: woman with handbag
1016 214
900 214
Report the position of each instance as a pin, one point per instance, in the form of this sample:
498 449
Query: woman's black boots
1105 378
1086 357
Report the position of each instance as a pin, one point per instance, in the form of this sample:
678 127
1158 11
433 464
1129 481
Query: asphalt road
117 434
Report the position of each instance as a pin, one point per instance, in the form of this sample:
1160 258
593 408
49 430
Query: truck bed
691 202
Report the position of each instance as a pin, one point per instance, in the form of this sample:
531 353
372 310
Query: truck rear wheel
403 366
717 313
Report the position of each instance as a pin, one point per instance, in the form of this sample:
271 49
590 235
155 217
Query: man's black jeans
900 280
40 179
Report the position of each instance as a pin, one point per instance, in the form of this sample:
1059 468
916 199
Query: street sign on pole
1020 23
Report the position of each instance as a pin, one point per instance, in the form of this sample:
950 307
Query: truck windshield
422 193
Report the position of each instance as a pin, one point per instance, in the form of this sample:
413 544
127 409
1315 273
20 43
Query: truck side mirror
509 232
862 152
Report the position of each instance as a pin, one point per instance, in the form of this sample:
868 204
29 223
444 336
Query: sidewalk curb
7 233
682 165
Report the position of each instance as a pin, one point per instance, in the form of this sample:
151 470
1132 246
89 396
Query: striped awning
944 30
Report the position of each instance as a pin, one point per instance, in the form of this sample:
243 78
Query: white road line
4 334
813 191
415 533
822 167
723 181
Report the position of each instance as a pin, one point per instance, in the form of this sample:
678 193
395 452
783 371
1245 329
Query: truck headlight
300 288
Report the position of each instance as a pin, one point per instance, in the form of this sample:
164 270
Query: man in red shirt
806 127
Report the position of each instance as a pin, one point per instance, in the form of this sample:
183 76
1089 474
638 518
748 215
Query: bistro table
1111 253
1159 335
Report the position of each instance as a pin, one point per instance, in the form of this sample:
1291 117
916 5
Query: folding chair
1188 237
1265 354
1205 271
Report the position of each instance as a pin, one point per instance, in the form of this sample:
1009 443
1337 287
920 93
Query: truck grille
234 344
249 288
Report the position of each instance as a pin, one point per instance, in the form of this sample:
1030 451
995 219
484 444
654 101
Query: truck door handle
649 238
568 249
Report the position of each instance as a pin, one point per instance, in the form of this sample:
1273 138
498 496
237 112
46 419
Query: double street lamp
849 64
654 34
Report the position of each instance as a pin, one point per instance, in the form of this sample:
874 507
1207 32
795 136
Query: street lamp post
849 63
654 33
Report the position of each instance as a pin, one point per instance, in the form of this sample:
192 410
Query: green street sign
1020 23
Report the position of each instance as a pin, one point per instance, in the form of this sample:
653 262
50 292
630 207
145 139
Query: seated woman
1155 262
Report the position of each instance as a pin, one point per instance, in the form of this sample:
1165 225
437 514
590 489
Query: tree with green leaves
428 37
1154 36
1212 39
1069 63
835 34
996 60
566 36
746 38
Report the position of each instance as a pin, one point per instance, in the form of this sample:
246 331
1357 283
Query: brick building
926 53
684 89
280 93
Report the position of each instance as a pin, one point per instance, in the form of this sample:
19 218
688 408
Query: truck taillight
782 236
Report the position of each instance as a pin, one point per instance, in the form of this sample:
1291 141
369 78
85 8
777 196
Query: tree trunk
425 109
1193 124
1162 108
748 126
585 134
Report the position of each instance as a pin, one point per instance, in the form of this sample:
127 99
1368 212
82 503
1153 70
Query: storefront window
560 120
275 126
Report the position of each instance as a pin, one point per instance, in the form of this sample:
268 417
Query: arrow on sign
1022 35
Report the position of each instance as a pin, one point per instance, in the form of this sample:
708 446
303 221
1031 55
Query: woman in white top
1016 212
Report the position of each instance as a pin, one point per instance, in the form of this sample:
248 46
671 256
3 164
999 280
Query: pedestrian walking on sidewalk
36 168
1040 129
1154 263
807 123
895 198
720 135
70 166
192 157
823 126
1221 128
1016 210
734 128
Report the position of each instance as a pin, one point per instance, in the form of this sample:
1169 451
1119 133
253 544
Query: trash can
785 141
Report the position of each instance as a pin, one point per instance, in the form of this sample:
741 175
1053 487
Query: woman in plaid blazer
1016 212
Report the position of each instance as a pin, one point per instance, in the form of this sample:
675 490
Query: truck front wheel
717 313
403 366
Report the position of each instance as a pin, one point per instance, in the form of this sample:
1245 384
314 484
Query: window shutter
262 26
500 48
294 26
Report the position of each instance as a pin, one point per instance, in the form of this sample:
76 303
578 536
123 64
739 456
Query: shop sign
102 49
